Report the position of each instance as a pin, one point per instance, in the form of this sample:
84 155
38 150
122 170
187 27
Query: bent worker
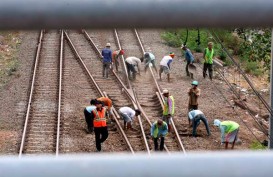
194 94
89 116
131 63
165 65
208 57
229 131
107 60
128 115
116 57
168 109
149 58
159 129
195 117
100 126
189 58
107 103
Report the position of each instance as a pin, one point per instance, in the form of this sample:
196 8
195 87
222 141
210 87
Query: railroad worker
107 103
159 129
195 117
131 63
100 126
188 58
229 132
116 57
168 109
165 64
208 57
107 60
128 115
89 116
149 58
194 94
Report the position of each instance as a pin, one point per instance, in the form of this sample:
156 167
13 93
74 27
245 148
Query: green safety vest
155 133
231 126
166 106
209 56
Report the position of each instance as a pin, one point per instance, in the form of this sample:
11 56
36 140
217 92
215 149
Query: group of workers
100 111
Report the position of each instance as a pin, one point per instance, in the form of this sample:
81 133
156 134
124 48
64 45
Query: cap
165 91
194 83
217 122
108 44
171 54
121 52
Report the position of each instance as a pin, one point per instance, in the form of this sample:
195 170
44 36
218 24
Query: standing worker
116 57
159 129
100 126
194 94
195 117
168 109
208 57
89 116
107 103
229 131
165 65
128 115
131 63
107 60
189 58
149 58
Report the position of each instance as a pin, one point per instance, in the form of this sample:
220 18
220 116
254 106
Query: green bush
171 39
253 68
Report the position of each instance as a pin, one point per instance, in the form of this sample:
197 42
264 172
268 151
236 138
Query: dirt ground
14 95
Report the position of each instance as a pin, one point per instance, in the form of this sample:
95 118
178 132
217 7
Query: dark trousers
101 134
196 121
161 143
193 107
105 69
187 68
88 118
206 67
131 69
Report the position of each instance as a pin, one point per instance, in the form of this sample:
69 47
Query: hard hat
108 44
194 83
217 122
171 54
165 91
121 52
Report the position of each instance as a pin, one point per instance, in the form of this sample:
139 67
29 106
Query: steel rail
60 93
75 14
159 91
96 85
126 90
37 57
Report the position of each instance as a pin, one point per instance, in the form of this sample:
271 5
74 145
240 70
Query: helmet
121 52
217 122
171 54
108 44
194 83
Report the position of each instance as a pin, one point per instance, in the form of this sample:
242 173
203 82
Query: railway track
112 87
39 135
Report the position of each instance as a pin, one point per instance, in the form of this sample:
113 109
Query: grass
257 146
8 55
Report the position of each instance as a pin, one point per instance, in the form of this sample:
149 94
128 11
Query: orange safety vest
99 119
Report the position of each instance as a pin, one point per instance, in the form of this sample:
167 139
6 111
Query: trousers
196 121
88 118
161 143
206 67
101 134
105 69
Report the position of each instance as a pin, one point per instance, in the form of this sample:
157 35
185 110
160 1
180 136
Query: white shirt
165 60
194 113
133 61
128 111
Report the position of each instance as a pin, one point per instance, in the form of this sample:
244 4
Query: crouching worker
89 116
159 129
195 117
100 126
107 103
128 115
229 131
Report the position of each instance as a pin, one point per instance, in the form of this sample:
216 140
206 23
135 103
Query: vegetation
251 47
9 42
257 146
